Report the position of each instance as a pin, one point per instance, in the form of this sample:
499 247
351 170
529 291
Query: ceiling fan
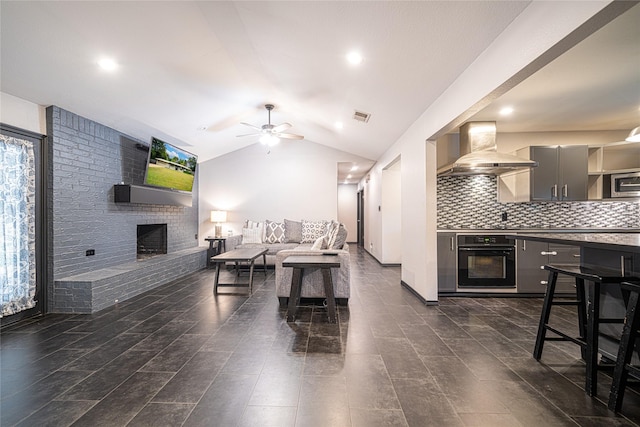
271 134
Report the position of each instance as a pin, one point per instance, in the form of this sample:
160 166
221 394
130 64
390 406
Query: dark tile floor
178 356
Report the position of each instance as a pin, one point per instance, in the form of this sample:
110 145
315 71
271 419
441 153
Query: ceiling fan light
269 140
634 135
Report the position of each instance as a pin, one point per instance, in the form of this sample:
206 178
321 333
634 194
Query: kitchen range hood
479 155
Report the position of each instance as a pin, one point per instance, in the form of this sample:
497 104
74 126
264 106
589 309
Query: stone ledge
95 290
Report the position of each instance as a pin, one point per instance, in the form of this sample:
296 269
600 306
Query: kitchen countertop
536 230
614 241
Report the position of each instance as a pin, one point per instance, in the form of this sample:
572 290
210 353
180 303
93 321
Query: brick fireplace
151 240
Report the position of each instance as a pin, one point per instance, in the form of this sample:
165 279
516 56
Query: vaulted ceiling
191 71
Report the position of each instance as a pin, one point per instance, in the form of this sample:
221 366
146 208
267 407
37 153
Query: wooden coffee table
299 263
238 256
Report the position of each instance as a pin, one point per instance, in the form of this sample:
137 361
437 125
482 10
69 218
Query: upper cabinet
570 172
561 175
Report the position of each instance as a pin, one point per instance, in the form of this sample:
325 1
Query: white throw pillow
251 235
332 232
319 244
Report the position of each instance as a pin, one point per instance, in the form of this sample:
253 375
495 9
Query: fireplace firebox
152 240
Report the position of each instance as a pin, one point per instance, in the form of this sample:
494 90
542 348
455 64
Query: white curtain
17 226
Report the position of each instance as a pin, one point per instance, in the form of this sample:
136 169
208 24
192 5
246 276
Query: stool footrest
564 336
572 302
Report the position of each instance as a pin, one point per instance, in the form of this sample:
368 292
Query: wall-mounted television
170 167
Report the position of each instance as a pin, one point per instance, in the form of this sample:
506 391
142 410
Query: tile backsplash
470 202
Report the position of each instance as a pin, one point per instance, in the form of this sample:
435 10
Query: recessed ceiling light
339 125
107 64
202 127
354 58
354 168
349 176
506 111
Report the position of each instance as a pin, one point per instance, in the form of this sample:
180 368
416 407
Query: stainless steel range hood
479 155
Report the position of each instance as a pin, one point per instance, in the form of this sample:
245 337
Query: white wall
348 209
297 180
534 35
22 114
391 214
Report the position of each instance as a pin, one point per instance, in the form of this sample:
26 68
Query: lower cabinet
446 262
532 256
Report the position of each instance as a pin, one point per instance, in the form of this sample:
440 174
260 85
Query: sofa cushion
292 231
272 248
274 232
311 230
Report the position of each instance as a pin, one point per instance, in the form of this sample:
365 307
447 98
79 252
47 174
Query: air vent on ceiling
361 117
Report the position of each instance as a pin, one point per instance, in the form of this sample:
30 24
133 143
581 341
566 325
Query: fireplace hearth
152 240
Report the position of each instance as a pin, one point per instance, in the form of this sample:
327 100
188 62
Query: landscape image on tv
170 166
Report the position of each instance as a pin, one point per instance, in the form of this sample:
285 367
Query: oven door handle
494 249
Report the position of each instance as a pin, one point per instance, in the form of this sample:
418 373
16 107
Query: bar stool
588 314
625 350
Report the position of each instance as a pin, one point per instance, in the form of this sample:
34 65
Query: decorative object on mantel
270 134
218 217
634 135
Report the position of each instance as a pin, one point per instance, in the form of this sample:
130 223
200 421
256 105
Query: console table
299 263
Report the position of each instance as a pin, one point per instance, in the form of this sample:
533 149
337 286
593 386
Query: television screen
170 167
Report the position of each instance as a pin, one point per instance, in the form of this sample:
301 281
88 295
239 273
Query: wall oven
486 261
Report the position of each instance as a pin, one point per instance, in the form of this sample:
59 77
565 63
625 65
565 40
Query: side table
217 246
299 263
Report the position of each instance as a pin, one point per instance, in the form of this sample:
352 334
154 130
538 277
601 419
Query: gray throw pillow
341 237
292 231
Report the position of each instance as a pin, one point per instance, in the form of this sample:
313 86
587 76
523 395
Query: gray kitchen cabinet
562 175
532 256
446 262
562 172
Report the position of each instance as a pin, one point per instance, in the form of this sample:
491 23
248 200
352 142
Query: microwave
625 184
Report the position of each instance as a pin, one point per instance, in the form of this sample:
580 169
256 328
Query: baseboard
417 295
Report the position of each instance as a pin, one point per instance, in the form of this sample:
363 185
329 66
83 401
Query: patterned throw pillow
341 238
332 232
292 231
251 235
311 230
274 232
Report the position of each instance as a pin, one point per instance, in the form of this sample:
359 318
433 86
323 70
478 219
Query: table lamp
218 217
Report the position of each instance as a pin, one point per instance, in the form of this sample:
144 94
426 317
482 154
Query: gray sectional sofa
282 246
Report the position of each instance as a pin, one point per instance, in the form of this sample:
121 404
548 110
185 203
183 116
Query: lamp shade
634 135
218 216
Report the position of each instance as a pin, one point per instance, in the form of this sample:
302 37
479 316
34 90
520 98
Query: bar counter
620 251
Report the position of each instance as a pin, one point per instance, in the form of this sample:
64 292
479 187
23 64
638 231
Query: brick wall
86 159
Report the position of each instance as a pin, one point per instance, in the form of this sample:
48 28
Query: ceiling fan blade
251 126
283 126
289 136
247 134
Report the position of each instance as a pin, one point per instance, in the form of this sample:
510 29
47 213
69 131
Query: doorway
360 218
